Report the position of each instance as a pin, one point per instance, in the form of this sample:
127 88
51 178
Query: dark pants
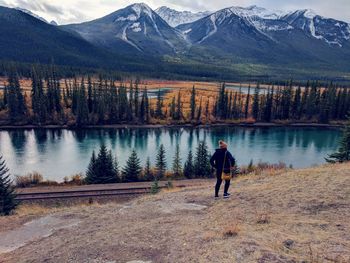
218 184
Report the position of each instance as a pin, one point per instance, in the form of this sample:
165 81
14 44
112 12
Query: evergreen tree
177 167
193 103
207 110
15 99
247 102
7 194
147 171
201 165
199 113
161 162
172 110
102 169
189 167
90 102
296 104
268 106
38 98
82 106
256 109
221 104
136 100
132 169
343 153
178 114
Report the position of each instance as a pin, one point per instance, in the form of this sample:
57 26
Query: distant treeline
84 102
160 68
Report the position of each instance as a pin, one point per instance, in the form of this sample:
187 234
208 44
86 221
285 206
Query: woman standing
223 162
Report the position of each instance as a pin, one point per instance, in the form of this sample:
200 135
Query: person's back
222 160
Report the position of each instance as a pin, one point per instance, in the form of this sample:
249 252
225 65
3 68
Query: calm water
59 153
244 89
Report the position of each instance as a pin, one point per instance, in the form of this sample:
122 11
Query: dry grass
299 216
231 230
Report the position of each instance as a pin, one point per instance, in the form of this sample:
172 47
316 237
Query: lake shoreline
157 126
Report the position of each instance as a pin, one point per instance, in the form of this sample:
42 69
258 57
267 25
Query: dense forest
99 101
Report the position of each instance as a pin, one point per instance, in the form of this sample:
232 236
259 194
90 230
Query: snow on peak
175 18
137 10
255 11
309 13
142 8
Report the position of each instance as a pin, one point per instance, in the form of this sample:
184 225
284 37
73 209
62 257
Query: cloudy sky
73 11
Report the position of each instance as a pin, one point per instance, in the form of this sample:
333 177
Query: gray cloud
74 11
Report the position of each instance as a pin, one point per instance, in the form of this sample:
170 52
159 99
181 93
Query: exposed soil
296 216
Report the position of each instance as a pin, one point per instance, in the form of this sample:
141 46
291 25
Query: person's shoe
216 197
227 195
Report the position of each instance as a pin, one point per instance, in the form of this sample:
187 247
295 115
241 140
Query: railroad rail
94 191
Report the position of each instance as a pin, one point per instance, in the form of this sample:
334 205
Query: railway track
90 192
81 194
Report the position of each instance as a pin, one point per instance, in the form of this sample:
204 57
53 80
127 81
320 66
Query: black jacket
217 160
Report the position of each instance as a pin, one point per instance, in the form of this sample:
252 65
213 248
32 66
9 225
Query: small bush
76 179
31 179
155 187
261 167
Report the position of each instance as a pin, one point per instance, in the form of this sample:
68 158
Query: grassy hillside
285 216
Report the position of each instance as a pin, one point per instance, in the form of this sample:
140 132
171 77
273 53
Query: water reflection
57 153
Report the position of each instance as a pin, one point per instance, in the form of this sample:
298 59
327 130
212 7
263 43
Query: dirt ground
293 216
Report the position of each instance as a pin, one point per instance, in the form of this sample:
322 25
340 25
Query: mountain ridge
231 38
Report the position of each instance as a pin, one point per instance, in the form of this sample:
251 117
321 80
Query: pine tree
172 109
82 106
268 106
199 112
90 102
221 104
343 153
177 167
102 169
38 98
91 170
15 99
193 103
296 104
201 165
255 107
147 171
247 102
132 169
7 194
136 100
178 114
189 167
161 162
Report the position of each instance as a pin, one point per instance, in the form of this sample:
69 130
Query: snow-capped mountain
253 22
134 28
234 35
257 34
175 18
331 31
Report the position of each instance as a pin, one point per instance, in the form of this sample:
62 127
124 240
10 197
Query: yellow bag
225 176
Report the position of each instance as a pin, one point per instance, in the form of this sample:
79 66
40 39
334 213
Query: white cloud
74 11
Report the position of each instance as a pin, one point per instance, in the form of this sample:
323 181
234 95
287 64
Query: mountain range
240 40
